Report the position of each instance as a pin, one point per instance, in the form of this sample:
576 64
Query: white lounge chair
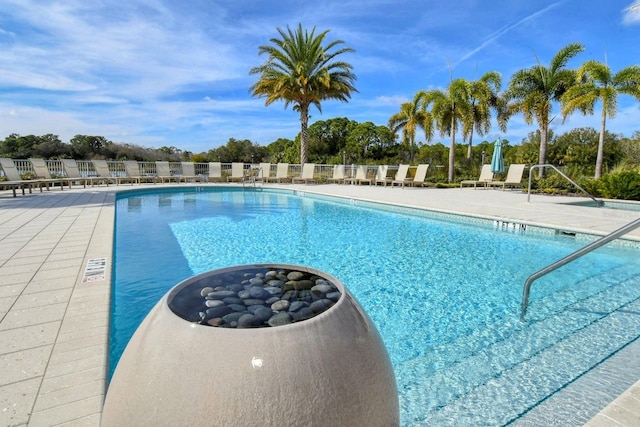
381 175
15 181
71 169
264 172
420 177
215 172
237 172
307 173
282 173
42 173
361 175
401 176
163 172
338 174
513 179
132 170
486 176
189 172
102 171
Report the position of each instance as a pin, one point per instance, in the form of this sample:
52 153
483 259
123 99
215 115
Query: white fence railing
322 172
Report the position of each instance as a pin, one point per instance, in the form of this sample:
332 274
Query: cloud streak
504 30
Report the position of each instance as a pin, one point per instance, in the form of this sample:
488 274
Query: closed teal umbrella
497 162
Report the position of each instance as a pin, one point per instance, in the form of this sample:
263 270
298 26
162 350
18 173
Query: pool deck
54 320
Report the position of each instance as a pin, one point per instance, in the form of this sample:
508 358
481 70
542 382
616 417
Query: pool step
510 372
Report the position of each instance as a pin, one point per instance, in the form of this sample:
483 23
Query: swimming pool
445 295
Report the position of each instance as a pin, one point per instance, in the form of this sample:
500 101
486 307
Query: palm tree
597 83
484 98
449 108
409 119
533 91
301 71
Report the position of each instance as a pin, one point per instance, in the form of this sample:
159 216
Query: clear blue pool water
445 295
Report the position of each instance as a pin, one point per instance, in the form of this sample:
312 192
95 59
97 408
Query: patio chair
338 174
189 172
307 174
401 176
263 172
42 173
282 173
381 175
215 172
102 171
15 181
420 177
71 169
361 175
485 176
132 169
237 172
513 179
163 172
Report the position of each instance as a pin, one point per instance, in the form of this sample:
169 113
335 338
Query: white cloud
631 14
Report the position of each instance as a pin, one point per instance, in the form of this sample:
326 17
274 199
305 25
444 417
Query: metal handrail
598 202
569 258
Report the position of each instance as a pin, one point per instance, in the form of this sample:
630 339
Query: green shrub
591 185
622 184
28 176
553 183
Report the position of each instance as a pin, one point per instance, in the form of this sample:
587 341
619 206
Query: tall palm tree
532 91
484 98
409 119
301 71
598 83
449 108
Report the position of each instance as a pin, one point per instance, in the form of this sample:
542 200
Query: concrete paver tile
11 290
27 337
69 395
72 379
82 409
42 298
33 316
16 401
5 304
46 285
23 365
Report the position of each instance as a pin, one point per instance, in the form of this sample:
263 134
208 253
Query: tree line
341 140
301 71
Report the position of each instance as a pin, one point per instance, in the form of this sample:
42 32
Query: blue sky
155 73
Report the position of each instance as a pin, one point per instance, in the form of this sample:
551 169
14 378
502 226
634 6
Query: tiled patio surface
54 327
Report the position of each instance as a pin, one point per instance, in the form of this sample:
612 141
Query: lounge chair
263 172
513 179
132 169
361 175
282 173
420 177
307 174
163 172
338 174
189 172
215 172
42 173
381 175
401 176
71 169
15 181
102 171
237 172
485 176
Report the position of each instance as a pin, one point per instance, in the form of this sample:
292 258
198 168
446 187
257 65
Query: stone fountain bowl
192 363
